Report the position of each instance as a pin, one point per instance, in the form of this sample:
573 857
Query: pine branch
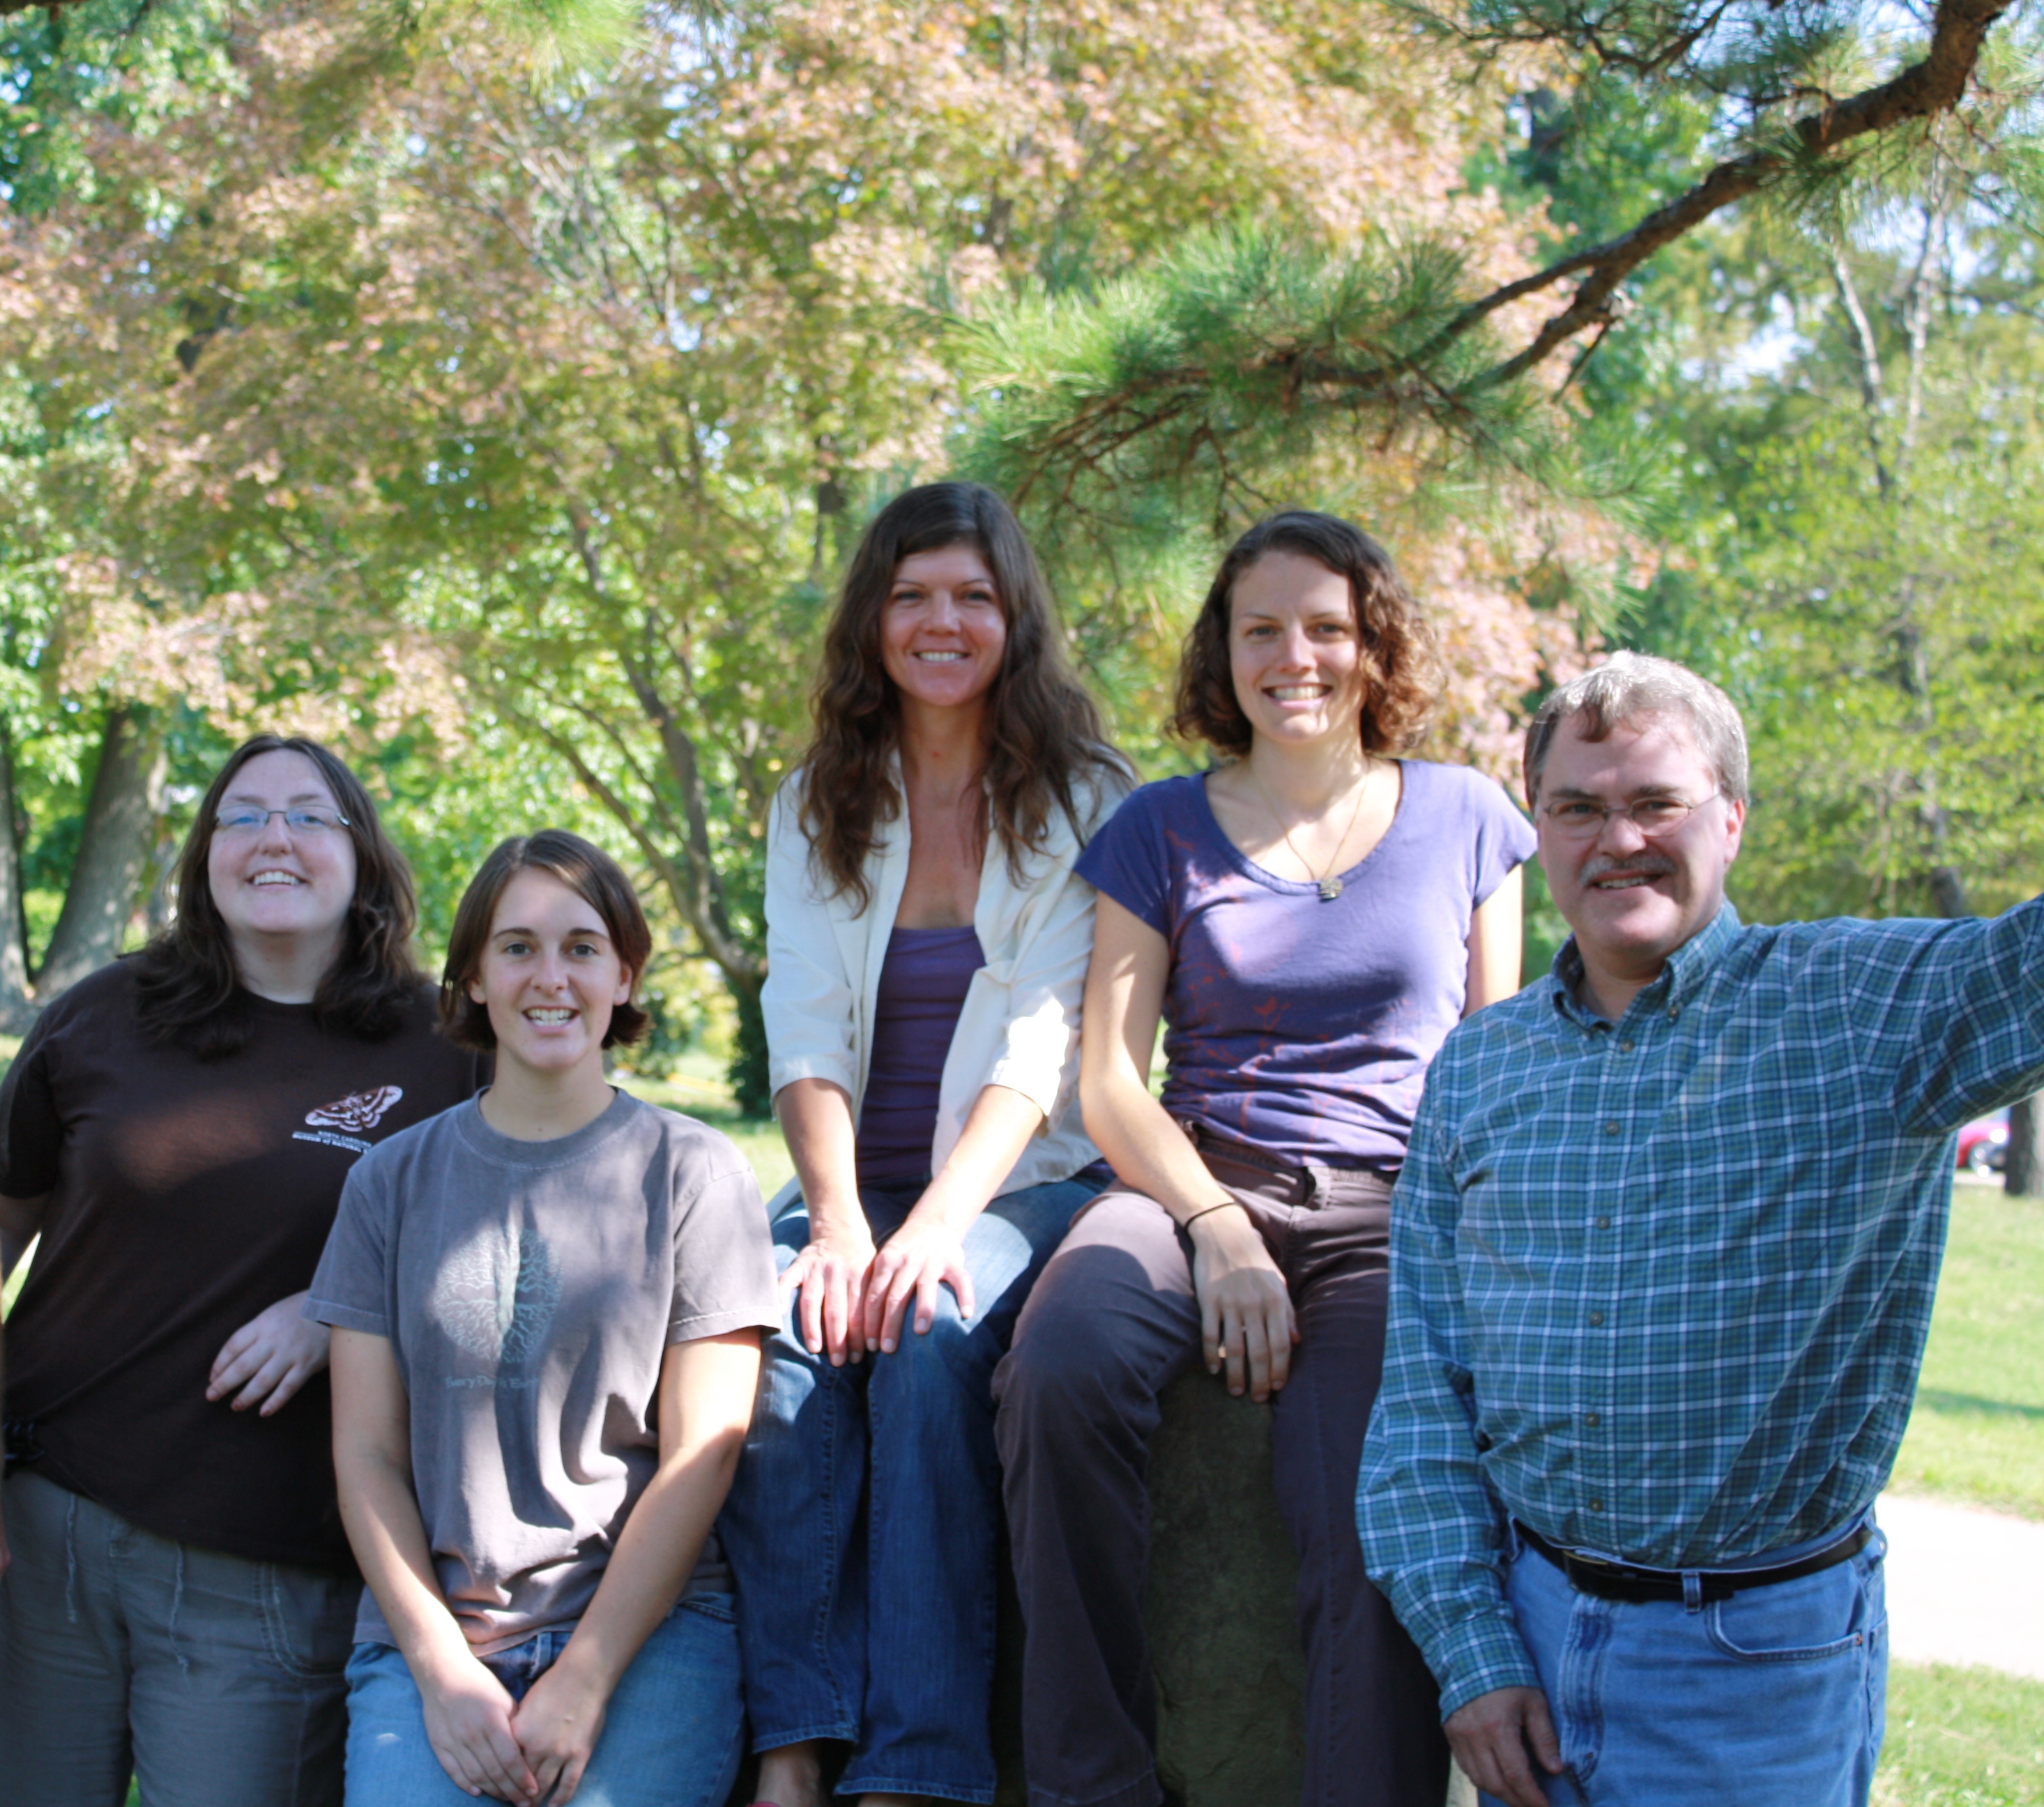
1934 85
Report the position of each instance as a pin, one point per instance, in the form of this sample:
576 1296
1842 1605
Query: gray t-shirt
530 1290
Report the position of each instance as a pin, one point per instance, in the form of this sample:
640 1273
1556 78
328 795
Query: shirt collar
1685 971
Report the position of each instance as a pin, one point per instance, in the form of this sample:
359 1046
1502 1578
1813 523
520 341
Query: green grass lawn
1962 1738
696 1087
1978 1431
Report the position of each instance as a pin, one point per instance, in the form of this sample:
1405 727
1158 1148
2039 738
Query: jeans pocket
308 1619
1810 1620
721 1607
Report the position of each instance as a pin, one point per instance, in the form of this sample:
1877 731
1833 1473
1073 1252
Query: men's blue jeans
1775 1698
671 1734
863 1528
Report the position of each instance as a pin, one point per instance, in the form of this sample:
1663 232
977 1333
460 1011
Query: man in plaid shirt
1662 1259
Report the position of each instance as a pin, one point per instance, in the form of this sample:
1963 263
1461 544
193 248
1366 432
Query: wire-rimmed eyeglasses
1583 818
248 820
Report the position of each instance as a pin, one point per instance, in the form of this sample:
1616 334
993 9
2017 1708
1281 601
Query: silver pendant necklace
1330 887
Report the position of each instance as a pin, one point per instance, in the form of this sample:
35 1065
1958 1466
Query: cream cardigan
1020 1025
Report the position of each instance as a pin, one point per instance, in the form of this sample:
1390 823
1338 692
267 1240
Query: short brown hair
587 870
1630 687
1400 668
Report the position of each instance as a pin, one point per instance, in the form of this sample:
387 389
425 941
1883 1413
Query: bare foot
791 1776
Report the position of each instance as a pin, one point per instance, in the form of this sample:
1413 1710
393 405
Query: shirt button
1674 1010
1592 1418
1625 1047
1611 1128
1596 1317
1603 1223
1596 1506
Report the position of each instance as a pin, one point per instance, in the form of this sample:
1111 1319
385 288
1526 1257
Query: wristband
1225 1205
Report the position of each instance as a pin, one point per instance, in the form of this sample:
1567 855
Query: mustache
1632 865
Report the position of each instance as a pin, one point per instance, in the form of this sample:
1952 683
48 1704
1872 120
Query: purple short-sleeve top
1300 1025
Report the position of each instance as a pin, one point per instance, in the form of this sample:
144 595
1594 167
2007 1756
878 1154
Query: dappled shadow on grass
1939 1399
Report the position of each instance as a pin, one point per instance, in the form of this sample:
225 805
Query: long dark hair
1046 732
595 877
1400 668
186 990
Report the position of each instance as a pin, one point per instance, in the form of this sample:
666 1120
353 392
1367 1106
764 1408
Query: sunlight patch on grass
1978 1431
1962 1738
758 1140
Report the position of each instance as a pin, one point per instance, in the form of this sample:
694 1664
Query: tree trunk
2023 1175
750 1086
120 825
16 1008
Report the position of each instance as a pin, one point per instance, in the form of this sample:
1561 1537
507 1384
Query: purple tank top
1300 1026
923 984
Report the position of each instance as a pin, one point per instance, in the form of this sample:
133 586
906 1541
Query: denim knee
950 1357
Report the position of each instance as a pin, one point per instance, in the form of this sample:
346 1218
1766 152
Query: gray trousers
1111 1322
216 1681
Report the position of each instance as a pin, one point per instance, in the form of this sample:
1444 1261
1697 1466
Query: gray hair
1629 686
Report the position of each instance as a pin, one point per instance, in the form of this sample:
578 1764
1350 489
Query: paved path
1964 1586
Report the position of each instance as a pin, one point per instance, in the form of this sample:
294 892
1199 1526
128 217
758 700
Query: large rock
1223 1632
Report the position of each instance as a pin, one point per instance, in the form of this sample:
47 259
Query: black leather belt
1621 1580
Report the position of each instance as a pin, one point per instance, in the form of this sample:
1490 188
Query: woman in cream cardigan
927 946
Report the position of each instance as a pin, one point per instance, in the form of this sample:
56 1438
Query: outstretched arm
706 1403
1954 1010
1246 1318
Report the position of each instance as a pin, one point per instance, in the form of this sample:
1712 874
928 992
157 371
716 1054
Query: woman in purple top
1310 918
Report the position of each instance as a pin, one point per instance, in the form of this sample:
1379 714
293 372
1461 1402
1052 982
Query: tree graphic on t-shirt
496 1295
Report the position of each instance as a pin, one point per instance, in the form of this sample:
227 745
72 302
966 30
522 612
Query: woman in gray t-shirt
547 1306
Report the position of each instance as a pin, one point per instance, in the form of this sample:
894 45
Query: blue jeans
671 1735
1775 1698
865 1609
216 1681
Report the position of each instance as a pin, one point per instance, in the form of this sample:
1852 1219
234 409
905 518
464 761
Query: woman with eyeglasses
1309 918
178 1599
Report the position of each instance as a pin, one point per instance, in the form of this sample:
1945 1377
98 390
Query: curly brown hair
1400 666
1045 734
187 988
595 877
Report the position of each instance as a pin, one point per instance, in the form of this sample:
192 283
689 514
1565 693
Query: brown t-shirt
184 1197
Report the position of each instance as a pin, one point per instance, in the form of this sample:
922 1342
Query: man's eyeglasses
250 820
1577 818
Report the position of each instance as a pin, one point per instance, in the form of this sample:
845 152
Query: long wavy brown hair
186 988
1045 735
1400 667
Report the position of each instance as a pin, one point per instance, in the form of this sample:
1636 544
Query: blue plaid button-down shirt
1660 1287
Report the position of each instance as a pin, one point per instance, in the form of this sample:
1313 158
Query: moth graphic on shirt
358 1111
495 1298
344 1123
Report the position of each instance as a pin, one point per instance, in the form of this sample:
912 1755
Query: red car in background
1984 1144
